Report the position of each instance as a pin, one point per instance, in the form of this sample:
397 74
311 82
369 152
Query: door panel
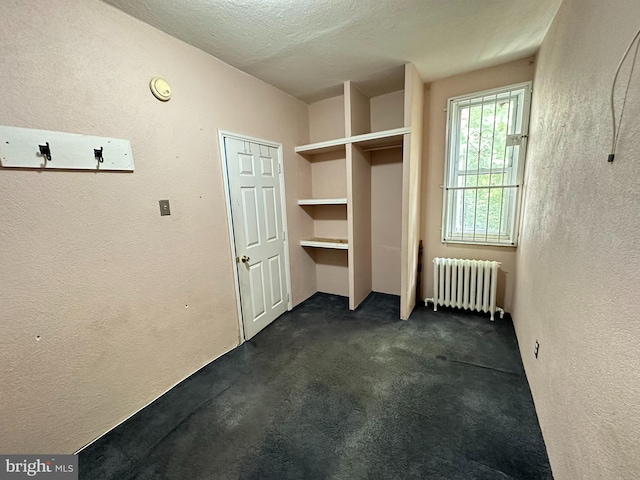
256 211
256 281
246 164
250 216
275 270
271 222
267 166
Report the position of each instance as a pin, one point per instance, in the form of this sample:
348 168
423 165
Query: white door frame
222 134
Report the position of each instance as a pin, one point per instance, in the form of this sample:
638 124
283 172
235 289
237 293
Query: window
486 143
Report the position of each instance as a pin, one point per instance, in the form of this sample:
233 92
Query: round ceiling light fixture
160 88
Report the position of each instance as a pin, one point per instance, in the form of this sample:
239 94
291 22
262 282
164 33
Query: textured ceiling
308 47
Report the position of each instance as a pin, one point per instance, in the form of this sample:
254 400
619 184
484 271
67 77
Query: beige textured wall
411 188
329 221
387 111
357 111
332 270
329 174
126 303
329 180
327 119
437 95
386 220
578 261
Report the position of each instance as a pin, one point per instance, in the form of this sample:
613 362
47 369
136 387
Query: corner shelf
322 201
322 147
386 138
334 243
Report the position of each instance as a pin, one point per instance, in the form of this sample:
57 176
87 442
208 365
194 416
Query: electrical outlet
164 207
536 349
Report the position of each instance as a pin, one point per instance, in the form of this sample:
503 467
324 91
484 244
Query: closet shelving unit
362 232
367 141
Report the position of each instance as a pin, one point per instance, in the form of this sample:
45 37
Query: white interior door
257 217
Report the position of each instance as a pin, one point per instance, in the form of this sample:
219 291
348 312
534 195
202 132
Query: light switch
164 208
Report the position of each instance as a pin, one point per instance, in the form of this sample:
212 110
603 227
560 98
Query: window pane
462 141
483 212
500 138
496 206
469 210
482 203
472 181
487 127
497 179
473 139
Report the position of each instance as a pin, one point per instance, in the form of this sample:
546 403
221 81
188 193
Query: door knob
244 259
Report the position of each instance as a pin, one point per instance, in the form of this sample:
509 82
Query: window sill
487 243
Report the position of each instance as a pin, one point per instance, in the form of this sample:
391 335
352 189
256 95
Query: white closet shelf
335 243
322 201
322 147
386 138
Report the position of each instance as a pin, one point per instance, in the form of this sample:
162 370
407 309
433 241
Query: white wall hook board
46 150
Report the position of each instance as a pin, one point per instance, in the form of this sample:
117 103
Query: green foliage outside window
485 160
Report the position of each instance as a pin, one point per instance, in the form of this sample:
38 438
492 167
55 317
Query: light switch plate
164 208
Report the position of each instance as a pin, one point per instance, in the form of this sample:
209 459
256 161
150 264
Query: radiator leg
427 301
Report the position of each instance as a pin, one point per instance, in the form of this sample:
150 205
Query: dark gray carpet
325 393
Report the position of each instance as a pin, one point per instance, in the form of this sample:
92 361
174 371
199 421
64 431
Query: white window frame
447 206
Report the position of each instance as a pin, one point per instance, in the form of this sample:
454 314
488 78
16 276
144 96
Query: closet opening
386 220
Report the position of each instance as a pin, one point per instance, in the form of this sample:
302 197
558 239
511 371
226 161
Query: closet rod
388 147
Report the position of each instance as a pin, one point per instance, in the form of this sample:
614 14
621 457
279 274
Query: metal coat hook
98 154
45 151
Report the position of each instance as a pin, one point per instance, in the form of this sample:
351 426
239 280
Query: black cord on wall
616 124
